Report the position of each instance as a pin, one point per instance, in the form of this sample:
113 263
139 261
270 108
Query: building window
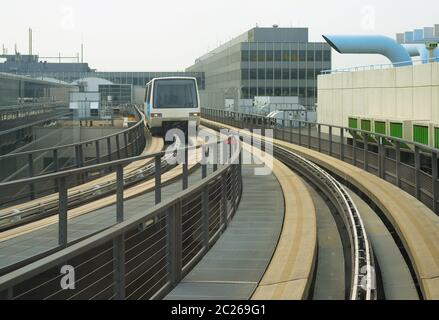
269 92
278 55
270 56
253 92
302 74
261 56
277 74
310 56
327 55
253 74
261 74
318 55
253 56
302 55
286 55
244 74
286 74
294 56
269 74
285 92
245 93
294 74
261 91
277 92
245 56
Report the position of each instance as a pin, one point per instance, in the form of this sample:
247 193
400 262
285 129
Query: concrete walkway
234 266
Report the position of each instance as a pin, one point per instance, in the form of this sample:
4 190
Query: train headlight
156 115
194 114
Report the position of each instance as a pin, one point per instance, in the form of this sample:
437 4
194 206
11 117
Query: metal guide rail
363 270
363 274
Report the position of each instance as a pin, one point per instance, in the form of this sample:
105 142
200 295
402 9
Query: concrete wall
410 93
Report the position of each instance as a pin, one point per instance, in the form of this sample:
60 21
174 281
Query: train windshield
175 93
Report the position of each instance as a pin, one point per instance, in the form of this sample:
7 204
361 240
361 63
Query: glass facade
17 89
249 69
116 94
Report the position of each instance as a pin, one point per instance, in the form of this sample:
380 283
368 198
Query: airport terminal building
263 62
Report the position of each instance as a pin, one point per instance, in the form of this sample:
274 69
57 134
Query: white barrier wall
410 93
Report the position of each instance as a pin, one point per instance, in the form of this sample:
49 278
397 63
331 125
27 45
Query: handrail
410 174
164 219
364 132
139 123
379 66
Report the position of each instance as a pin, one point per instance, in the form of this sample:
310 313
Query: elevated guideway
314 213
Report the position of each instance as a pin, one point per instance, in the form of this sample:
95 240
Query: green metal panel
396 130
380 127
366 125
353 123
420 134
436 138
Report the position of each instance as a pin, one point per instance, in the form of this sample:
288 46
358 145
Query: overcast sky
167 35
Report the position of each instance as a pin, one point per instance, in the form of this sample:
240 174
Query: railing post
341 144
398 163
291 131
125 138
62 216
381 153
98 152
55 160
203 164
300 133
119 267
224 211
434 176
417 172
309 136
205 212
186 167
175 244
354 149
118 147
109 148
366 152
30 163
283 129
319 129
158 179
119 193
330 141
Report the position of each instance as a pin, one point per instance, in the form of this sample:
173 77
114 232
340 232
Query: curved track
364 285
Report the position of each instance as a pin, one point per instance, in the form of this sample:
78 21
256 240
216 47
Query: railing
143 257
124 144
12 117
381 66
411 166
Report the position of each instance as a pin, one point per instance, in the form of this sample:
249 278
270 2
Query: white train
171 103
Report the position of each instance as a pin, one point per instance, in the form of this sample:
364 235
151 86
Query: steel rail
363 275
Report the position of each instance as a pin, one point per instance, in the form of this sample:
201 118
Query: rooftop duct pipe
420 50
362 44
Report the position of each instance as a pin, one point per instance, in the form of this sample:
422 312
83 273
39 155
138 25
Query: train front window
175 93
